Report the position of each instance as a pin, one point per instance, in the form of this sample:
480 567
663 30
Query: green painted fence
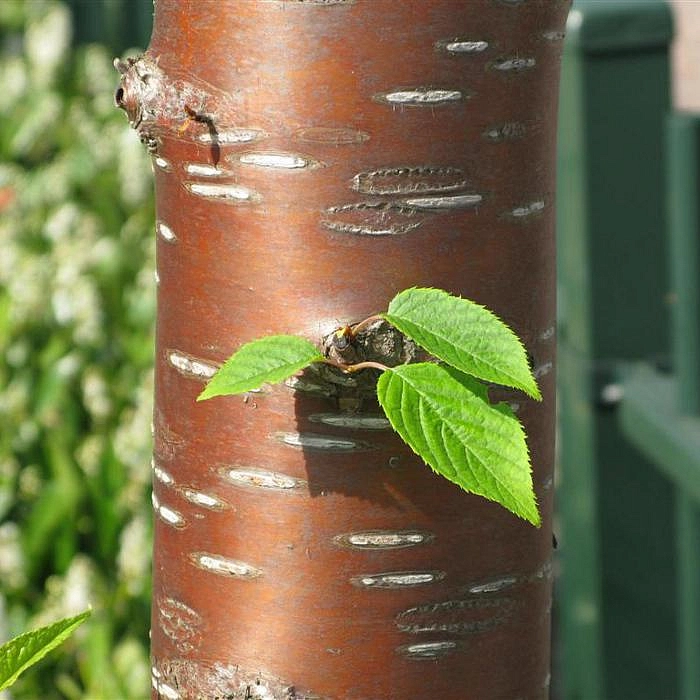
660 413
120 24
627 574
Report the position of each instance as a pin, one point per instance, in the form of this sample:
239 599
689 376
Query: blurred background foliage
77 304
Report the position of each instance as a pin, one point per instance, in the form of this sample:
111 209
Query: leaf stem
367 364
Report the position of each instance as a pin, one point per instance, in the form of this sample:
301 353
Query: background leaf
24 651
459 434
463 334
264 361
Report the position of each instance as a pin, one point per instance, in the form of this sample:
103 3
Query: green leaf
265 361
17 655
472 443
463 334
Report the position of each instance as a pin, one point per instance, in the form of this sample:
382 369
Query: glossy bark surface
313 158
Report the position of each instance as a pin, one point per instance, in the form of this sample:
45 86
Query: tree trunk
312 158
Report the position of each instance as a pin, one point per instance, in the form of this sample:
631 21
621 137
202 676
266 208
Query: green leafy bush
76 310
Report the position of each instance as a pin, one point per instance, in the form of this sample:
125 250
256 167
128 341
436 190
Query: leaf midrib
446 425
515 384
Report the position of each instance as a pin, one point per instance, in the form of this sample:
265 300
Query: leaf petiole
367 364
362 325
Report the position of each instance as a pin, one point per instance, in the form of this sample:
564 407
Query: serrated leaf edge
71 624
531 390
500 486
258 380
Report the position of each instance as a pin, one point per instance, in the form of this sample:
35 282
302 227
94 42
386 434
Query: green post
618 595
689 595
684 220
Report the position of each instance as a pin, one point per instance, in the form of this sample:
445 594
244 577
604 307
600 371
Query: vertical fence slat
684 217
688 542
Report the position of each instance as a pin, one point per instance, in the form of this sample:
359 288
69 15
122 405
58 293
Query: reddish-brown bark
313 158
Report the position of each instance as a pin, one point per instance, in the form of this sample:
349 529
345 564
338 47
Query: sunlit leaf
449 423
265 361
463 334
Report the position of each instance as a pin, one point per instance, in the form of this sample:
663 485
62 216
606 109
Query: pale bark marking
180 623
383 539
205 170
547 334
427 650
161 475
162 163
261 479
351 421
168 515
509 131
554 35
461 201
279 161
525 211
372 218
323 443
421 97
223 566
335 136
410 180
543 369
165 232
515 64
398 579
204 500
462 46
494 585
191 366
231 194
228 137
